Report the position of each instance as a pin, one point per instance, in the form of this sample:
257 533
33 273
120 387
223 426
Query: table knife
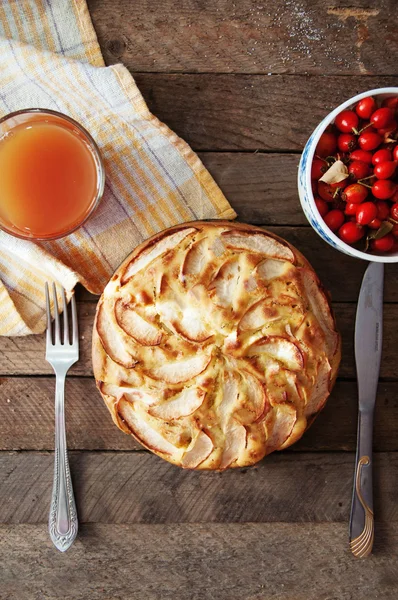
368 346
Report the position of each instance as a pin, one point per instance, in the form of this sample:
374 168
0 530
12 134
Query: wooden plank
247 36
248 112
262 188
277 561
138 487
27 418
25 355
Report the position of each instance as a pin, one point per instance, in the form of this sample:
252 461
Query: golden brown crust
214 344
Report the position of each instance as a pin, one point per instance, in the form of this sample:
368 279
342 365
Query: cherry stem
363 128
364 184
365 179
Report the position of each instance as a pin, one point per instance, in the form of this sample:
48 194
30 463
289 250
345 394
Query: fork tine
56 316
75 332
66 319
49 340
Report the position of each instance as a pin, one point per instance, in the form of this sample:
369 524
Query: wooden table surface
244 83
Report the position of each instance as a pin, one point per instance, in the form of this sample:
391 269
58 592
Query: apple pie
214 345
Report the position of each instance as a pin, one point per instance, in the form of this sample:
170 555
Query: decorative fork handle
63 523
362 520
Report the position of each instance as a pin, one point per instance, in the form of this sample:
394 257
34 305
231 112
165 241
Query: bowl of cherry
348 177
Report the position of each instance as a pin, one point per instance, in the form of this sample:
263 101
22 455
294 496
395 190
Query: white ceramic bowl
304 181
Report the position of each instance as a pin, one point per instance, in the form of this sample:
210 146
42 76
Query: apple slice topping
181 317
191 326
200 450
217 247
235 443
271 268
258 315
195 259
148 255
113 344
180 405
142 430
257 242
320 391
280 349
182 370
131 394
255 398
280 425
223 287
321 309
137 327
230 395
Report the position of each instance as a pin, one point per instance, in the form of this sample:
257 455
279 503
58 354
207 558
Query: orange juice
48 177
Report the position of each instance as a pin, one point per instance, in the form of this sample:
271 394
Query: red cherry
351 208
385 170
383 244
382 117
388 129
383 210
366 213
334 219
351 232
394 197
358 169
394 211
395 153
394 230
322 206
362 155
365 107
381 156
383 189
339 184
346 121
314 187
327 144
318 168
369 140
346 142
325 191
355 193
391 103
367 126
375 224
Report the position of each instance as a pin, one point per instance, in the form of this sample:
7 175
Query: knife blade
368 348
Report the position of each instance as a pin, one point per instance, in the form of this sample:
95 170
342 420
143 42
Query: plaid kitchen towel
50 58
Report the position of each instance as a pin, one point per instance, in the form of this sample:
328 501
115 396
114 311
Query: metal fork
63 523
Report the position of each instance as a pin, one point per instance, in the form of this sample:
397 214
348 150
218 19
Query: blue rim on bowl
305 189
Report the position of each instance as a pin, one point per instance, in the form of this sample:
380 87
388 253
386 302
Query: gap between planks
261 561
142 488
27 418
26 355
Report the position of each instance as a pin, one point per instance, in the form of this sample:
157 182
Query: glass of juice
51 174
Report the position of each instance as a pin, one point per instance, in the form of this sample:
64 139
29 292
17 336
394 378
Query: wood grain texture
248 112
262 188
25 355
267 561
309 36
27 418
138 487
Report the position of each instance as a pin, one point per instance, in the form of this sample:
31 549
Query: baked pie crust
214 345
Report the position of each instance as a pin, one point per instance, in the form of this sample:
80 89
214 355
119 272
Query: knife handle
362 520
